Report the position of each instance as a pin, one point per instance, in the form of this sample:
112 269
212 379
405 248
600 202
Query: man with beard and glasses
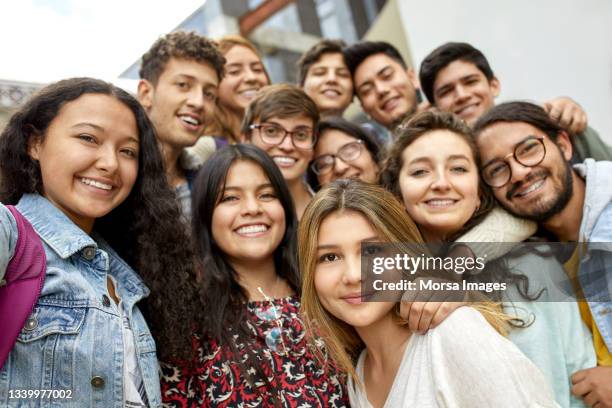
525 158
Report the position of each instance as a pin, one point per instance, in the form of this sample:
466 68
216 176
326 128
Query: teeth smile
284 160
190 120
96 184
531 188
252 229
440 202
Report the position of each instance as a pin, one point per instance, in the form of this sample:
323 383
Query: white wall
538 49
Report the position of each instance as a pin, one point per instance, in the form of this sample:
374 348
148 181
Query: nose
287 144
461 93
441 181
195 99
331 76
381 88
518 171
352 270
107 160
250 205
340 167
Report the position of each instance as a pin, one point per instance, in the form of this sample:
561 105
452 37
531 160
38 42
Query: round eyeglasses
530 152
347 153
272 134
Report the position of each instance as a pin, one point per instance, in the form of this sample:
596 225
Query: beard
543 211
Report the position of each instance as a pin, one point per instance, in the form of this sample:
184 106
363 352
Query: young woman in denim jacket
80 161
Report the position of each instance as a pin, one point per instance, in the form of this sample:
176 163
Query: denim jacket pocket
46 352
46 320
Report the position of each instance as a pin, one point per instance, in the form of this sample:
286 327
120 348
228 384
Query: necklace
274 335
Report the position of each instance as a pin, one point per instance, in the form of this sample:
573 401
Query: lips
96 184
390 104
441 202
536 185
251 230
467 109
249 93
331 93
190 121
356 298
284 161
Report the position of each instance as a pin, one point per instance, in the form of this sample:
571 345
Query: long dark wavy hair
143 229
224 298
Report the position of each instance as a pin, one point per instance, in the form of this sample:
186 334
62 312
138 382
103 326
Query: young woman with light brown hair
448 366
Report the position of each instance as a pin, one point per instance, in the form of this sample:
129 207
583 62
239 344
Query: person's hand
567 113
594 386
424 310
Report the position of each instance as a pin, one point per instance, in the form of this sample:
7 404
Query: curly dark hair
143 229
180 44
314 53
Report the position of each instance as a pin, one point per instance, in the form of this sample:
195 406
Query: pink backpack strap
22 283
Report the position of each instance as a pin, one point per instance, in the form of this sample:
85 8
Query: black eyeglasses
347 153
530 152
302 138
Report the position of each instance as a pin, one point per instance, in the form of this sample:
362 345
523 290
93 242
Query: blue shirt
73 338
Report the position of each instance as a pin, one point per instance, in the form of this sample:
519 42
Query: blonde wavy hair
389 219
224 122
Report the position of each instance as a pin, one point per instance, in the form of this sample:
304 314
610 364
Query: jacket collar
53 226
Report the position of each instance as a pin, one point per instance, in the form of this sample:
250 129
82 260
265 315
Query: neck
331 112
385 352
262 274
300 194
566 224
174 174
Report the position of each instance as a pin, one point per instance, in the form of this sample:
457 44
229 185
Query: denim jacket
73 339
596 229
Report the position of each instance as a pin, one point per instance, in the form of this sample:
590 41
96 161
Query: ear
413 78
34 144
495 86
565 145
145 93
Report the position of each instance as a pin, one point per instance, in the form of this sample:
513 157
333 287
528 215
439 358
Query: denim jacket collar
53 226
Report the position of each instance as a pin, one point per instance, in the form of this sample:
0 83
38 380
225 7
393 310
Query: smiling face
244 77
182 102
439 183
537 192
364 167
461 88
88 157
248 222
337 276
328 82
292 162
386 90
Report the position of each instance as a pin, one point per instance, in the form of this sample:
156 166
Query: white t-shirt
463 362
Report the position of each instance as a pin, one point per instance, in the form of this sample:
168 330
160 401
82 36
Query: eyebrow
374 238
259 187
101 129
451 157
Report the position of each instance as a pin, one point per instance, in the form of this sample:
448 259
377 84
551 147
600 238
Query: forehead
335 59
455 71
290 122
500 139
201 71
240 53
333 228
437 144
372 65
245 173
332 139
